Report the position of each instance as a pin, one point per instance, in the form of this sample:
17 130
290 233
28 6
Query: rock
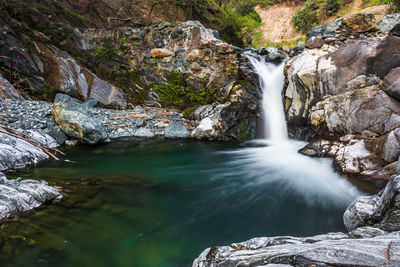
160 53
106 94
392 123
16 154
143 132
350 156
395 31
176 129
20 196
13 54
75 120
362 81
391 148
326 30
59 136
7 91
152 100
374 210
391 83
388 22
360 23
204 130
304 73
334 249
63 73
314 42
367 57
164 25
355 111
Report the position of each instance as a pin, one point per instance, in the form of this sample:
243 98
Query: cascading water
274 162
271 77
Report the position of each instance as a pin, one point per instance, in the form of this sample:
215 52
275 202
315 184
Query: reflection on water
161 204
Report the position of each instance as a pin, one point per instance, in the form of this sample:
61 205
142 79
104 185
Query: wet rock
176 129
205 129
391 83
19 196
334 249
7 91
374 210
350 156
76 121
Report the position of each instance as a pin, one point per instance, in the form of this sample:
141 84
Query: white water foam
275 161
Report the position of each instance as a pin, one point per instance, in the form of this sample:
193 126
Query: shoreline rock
18 197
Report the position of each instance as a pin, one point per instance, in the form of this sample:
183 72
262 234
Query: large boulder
316 73
355 111
64 74
19 196
76 120
380 210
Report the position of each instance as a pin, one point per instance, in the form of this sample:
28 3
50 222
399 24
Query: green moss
176 94
246 131
76 16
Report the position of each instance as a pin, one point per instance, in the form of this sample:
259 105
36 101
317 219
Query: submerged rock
19 196
76 121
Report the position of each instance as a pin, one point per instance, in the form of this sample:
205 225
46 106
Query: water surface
162 203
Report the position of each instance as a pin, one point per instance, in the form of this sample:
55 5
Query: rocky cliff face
342 89
182 66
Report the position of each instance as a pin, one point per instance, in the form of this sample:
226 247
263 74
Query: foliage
307 17
106 50
331 7
177 94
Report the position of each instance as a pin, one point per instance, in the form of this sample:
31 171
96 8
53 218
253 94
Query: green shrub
176 94
307 17
331 7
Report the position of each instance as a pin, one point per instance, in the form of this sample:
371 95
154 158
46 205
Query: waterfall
271 80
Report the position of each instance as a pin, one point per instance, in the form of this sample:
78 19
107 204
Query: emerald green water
162 204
